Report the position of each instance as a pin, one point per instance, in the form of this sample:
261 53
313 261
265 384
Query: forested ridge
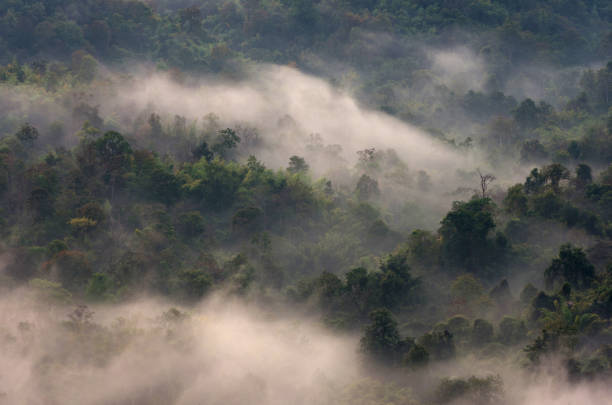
422 189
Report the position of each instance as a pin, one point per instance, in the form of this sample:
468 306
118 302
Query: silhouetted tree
572 266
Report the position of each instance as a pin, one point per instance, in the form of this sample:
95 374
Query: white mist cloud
225 352
460 69
274 92
553 391
287 107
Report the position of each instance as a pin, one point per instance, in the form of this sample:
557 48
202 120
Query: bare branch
484 182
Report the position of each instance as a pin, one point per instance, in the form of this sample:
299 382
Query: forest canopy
331 201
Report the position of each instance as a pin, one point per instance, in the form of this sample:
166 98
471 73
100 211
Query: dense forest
307 202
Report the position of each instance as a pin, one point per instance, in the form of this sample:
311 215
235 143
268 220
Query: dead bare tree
484 182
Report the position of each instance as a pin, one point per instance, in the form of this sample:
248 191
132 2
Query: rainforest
398 202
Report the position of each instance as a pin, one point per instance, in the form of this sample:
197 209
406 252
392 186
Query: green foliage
297 165
568 319
56 246
528 115
367 188
543 345
247 219
417 357
396 282
374 392
193 284
468 295
113 149
392 287
540 303
72 269
202 151
512 331
583 175
440 345
191 224
423 247
93 211
154 179
27 135
554 173
482 332
99 287
170 206
82 225
465 235
459 326
215 183
84 66
515 201
226 140
473 390
572 266
546 205
381 339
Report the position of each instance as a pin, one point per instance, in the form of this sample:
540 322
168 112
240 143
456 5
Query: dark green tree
193 284
583 175
297 164
367 188
512 330
465 230
202 151
473 390
165 187
570 266
226 140
482 332
397 286
381 339
191 224
554 173
543 345
440 345
114 153
534 182
515 201
27 135
527 114
416 357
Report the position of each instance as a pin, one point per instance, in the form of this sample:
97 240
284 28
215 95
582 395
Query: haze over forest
399 202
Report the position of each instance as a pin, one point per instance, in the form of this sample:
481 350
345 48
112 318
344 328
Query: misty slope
271 202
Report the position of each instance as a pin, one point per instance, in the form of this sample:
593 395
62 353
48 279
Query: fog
460 69
221 352
287 113
298 114
272 93
481 66
550 391
224 350
208 280
285 105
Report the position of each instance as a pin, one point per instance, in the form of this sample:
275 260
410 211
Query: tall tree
570 266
